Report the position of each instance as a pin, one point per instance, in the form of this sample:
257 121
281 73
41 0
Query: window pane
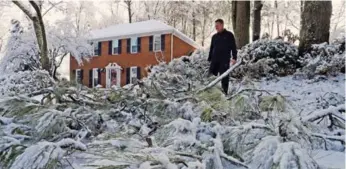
157 42
134 41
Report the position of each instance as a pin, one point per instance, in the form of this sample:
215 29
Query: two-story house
123 51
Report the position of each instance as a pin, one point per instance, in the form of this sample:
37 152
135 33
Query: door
113 77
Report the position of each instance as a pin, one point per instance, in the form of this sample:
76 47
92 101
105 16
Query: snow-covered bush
24 82
21 52
265 58
324 59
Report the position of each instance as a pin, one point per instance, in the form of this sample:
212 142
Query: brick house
122 52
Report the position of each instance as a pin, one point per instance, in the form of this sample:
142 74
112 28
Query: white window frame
95 75
134 45
133 75
115 52
76 75
95 44
157 39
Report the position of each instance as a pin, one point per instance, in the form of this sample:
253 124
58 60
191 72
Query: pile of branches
175 118
324 59
266 58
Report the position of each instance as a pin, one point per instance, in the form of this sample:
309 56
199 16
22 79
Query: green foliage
272 103
8 156
206 115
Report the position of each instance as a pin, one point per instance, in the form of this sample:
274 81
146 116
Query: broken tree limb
332 110
218 79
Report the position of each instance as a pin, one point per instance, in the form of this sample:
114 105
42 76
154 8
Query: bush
24 82
268 58
324 59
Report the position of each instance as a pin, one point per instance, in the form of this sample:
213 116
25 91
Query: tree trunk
242 23
40 32
129 9
277 18
315 24
256 25
194 25
234 14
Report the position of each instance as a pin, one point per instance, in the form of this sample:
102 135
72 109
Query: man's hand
233 62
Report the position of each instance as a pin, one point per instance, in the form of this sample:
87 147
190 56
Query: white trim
109 68
158 36
135 45
93 76
117 40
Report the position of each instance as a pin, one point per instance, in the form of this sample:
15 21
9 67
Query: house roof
144 28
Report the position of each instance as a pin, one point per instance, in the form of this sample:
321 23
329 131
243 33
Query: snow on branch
331 110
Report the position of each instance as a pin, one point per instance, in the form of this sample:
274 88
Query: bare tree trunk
242 23
315 24
256 26
277 18
129 9
193 22
234 14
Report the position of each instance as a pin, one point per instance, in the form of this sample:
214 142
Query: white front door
113 77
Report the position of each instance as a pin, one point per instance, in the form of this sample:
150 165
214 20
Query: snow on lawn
329 159
304 94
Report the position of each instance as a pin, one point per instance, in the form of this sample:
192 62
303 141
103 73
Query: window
134 45
78 75
97 49
115 47
133 74
157 43
95 77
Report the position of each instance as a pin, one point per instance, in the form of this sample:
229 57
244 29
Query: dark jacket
222 44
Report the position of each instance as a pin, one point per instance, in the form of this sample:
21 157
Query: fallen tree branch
331 110
245 90
218 79
333 138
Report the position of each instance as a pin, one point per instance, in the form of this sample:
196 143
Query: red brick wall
142 59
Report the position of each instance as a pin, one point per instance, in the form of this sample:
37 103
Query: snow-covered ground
303 93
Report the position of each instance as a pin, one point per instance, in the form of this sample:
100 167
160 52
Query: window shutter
99 48
128 45
138 72
110 47
119 46
91 78
151 43
127 75
81 76
162 42
99 76
73 76
139 44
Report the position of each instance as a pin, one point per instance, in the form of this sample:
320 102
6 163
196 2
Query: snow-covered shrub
324 59
267 58
24 82
21 52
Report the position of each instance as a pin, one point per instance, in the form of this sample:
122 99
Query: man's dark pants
220 68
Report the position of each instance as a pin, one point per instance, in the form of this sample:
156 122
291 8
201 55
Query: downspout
172 45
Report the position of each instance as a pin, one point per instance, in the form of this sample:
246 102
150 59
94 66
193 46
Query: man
222 44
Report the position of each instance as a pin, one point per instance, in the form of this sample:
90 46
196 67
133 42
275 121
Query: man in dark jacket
222 45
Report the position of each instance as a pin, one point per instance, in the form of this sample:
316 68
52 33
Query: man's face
218 26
